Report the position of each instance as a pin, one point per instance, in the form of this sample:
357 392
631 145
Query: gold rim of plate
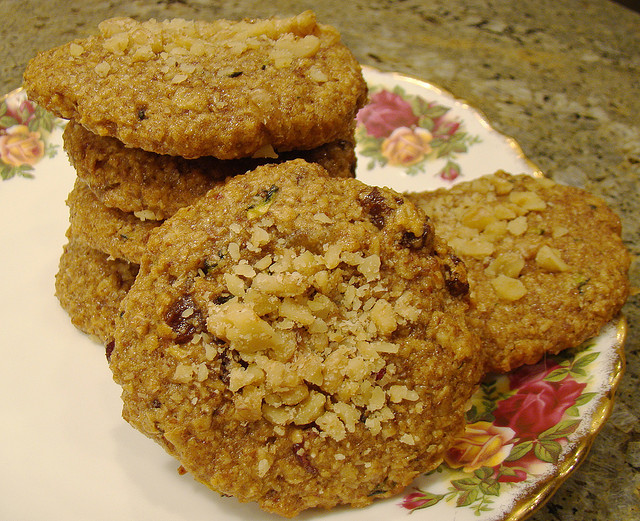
545 489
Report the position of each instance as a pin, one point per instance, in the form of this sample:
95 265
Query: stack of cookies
292 336
160 112
274 323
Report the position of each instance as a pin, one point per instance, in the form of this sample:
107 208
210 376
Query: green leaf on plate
547 450
520 451
560 430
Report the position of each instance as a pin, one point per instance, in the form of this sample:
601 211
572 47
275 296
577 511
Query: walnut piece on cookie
546 263
298 340
225 89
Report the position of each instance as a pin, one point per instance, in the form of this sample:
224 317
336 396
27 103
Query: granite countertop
559 76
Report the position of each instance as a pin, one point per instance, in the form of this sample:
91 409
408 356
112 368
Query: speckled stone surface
560 76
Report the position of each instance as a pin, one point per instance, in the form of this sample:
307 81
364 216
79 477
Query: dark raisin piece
418 242
303 460
375 205
142 114
109 349
235 74
225 362
184 318
221 299
455 278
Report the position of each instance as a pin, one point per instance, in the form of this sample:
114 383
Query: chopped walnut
345 314
76 50
529 201
175 41
550 260
508 288
509 264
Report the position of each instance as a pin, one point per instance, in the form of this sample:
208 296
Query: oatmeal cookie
546 264
298 340
90 287
119 234
134 180
224 89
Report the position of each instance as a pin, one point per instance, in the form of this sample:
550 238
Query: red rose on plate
537 404
415 500
450 172
386 112
444 129
21 110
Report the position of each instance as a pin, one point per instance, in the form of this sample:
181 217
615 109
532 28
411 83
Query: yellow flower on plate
481 445
407 146
19 146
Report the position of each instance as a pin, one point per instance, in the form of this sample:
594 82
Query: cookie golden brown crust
298 340
90 287
119 234
133 180
546 263
192 89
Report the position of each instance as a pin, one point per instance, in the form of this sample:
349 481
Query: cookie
546 264
133 180
90 286
298 340
191 89
119 234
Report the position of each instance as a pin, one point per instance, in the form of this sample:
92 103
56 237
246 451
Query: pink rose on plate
406 146
19 146
444 128
386 112
537 404
21 110
450 172
415 500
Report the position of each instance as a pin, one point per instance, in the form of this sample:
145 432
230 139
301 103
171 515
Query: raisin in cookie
224 89
298 340
546 263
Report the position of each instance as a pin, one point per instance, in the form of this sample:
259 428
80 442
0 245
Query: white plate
67 454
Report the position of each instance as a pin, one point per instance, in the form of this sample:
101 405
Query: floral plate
66 445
